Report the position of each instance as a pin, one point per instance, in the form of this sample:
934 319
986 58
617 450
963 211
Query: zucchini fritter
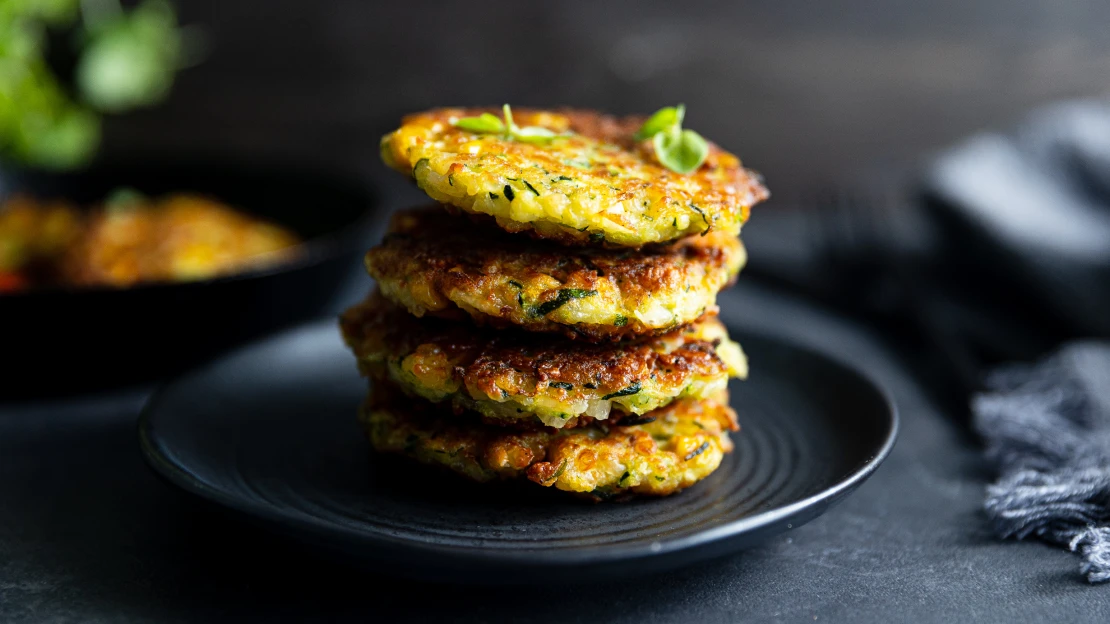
520 377
597 185
180 237
432 263
176 238
682 445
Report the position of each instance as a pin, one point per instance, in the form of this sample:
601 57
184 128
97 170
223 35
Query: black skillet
62 340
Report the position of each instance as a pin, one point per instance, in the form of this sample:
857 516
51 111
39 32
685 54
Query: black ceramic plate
270 432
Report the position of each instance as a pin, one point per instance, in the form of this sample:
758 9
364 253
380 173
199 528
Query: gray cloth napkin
1047 429
1027 214
1032 209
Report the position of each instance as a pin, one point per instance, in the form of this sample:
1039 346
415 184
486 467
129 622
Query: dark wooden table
807 92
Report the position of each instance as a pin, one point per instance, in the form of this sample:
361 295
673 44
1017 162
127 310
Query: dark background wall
808 92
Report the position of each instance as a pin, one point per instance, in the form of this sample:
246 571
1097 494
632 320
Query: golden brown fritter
433 263
177 238
521 376
595 186
683 444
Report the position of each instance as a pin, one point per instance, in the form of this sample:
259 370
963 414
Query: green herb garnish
564 296
559 472
620 321
531 188
633 389
704 218
520 291
509 194
561 384
698 451
487 123
681 151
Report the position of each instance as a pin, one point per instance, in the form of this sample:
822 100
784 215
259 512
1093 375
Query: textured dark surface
270 431
87 533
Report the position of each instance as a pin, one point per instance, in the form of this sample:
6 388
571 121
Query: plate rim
162 464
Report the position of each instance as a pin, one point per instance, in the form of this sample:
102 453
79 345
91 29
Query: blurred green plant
125 59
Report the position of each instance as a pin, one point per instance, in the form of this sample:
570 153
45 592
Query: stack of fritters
554 318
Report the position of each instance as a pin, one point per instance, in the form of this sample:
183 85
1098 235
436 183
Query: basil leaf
661 121
487 123
533 134
681 151
484 123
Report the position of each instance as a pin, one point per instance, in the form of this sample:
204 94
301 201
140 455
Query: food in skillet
578 177
435 264
132 240
33 239
553 319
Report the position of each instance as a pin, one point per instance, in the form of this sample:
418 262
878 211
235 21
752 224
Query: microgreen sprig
490 124
681 151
